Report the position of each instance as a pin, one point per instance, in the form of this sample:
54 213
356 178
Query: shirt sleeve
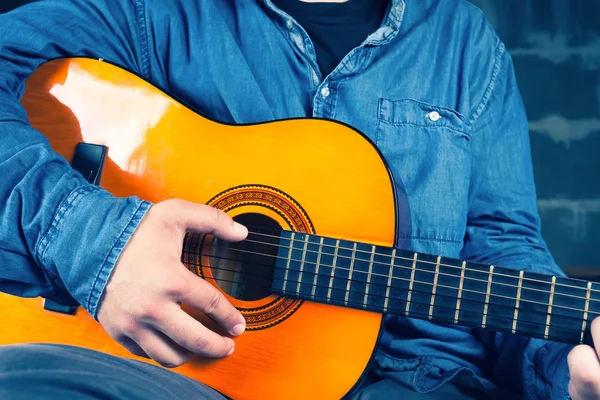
60 236
503 228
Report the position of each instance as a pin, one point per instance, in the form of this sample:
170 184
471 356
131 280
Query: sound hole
244 270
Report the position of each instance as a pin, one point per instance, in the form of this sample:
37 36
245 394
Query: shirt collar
387 31
397 12
390 25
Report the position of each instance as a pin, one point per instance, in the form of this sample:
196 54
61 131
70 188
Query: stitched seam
433 239
392 358
143 37
491 147
395 25
401 16
118 240
488 93
419 377
376 134
57 219
285 33
426 126
427 105
337 91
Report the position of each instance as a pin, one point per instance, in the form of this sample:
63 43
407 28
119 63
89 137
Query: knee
31 356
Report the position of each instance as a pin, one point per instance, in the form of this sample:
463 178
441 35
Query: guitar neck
439 289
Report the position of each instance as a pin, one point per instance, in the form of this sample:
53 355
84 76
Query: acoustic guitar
318 270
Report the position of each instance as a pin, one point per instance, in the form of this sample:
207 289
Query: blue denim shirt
467 175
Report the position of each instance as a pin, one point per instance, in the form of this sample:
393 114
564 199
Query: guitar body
305 175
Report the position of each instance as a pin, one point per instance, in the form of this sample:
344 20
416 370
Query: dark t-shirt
336 28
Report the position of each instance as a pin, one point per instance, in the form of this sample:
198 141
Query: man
427 80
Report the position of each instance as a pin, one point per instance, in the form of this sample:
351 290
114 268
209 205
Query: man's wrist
89 230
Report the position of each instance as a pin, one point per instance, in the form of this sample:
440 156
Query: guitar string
410 268
384 297
401 311
403 258
433 272
372 273
554 305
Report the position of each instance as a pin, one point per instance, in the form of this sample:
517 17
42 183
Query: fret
503 290
473 295
389 282
319 254
516 315
585 311
533 305
568 302
365 301
384 279
460 289
288 261
550 307
302 261
333 263
350 273
412 282
435 281
487 296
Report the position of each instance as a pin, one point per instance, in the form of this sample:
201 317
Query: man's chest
255 70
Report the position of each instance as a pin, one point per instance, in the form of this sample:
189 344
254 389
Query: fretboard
439 289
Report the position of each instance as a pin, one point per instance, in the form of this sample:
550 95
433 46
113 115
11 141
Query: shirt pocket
427 148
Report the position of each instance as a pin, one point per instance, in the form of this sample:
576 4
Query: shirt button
290 24
434 116
325 92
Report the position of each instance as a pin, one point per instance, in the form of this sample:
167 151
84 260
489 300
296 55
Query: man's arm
61 236
56 230
504 229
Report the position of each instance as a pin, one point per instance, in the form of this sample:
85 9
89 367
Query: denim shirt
466 172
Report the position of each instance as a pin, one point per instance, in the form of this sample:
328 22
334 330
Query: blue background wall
555 45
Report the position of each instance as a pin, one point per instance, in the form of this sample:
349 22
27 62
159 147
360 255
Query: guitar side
307 175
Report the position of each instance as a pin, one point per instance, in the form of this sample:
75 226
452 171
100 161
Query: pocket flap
418 113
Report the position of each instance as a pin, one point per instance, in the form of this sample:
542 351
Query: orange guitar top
306 175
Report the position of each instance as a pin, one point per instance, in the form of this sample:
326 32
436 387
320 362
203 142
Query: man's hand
140 307
584 366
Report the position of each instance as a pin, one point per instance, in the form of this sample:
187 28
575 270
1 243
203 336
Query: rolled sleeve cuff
111 260
88 232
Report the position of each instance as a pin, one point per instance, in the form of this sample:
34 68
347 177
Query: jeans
43 371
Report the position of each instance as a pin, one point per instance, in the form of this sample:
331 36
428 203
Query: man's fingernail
239 227
230 352
238 329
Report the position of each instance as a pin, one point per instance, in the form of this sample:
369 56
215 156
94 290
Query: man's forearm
46 205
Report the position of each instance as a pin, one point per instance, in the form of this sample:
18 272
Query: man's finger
133 347
192 335
202 296
585 371
162 349
205 219
595 332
